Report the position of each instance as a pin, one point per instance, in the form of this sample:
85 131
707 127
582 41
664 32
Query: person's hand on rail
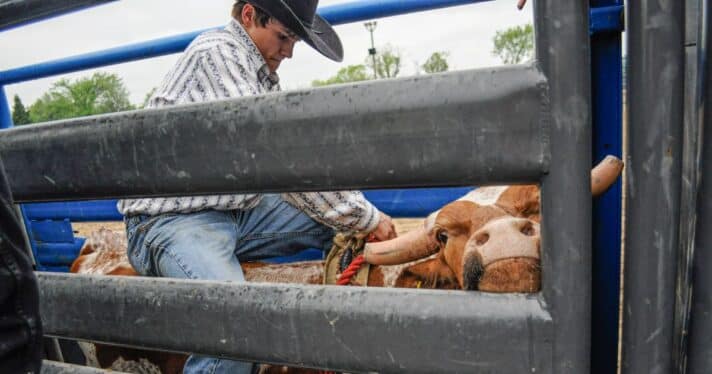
384 231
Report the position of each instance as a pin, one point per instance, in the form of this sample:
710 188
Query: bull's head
488 240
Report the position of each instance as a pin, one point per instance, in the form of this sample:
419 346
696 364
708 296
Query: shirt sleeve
346 211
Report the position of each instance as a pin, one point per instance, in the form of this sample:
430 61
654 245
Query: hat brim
320 35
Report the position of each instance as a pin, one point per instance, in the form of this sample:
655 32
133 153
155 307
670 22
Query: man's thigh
197 245
275 228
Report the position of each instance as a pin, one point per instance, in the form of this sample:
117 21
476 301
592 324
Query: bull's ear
432 273
520 201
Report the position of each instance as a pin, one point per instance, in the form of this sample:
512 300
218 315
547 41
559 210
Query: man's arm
347 211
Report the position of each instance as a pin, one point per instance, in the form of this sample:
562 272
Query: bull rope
351 270
345 263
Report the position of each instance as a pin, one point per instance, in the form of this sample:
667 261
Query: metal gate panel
656 32
700 340
690 175
14 13
342 328
472 127
562 48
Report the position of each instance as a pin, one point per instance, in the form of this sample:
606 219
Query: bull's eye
441 236
528 229
481 238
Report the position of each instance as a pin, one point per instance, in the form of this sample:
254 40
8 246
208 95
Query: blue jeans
210 245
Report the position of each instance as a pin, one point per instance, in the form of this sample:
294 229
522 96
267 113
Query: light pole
370 26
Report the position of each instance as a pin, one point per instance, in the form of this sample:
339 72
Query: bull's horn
410 246
605 174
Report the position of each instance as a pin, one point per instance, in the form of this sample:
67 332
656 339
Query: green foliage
514 44
388 63
351 73
20 116
436 63
100 93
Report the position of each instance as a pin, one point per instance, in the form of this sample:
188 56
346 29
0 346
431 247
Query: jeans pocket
138 252
145 224
140 258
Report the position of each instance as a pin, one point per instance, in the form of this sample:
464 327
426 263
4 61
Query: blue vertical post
5 116
606 73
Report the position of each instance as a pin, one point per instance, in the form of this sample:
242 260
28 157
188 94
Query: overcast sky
465 32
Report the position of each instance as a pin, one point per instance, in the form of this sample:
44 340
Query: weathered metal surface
656 33
14 13
700 341
689 191
343 328
472 127
562 49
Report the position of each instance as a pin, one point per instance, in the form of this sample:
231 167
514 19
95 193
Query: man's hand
384 231
520 4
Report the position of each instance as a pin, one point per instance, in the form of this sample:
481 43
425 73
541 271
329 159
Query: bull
488 240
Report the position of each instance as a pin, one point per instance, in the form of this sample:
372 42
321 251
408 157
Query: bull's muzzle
504 256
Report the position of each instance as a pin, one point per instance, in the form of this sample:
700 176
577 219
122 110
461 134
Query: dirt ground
85 228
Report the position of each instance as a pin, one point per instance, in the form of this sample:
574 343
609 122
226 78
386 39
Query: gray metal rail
16 12
689 190
562 49
700 340
473 127
656 33
342 328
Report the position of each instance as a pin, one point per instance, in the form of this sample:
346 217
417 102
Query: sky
464 32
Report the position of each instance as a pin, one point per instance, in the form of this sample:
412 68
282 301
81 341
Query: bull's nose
504 257
473 272
507 237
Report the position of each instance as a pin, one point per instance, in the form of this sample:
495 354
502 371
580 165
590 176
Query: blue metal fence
54 245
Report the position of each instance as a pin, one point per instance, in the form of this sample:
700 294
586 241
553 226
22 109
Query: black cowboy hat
299 16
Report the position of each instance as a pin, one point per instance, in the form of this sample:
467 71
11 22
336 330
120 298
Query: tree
436 63
514 44
388 63
351 73
100 93
20 116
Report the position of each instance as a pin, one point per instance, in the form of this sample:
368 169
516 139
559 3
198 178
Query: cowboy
206 237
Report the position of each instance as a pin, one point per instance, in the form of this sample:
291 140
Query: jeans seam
272 235
146 224
215 366
175 257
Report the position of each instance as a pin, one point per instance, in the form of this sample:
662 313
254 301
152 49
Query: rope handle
351 270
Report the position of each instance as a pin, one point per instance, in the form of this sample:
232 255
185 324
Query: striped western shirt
222 64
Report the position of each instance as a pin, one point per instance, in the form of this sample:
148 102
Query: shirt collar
254 55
